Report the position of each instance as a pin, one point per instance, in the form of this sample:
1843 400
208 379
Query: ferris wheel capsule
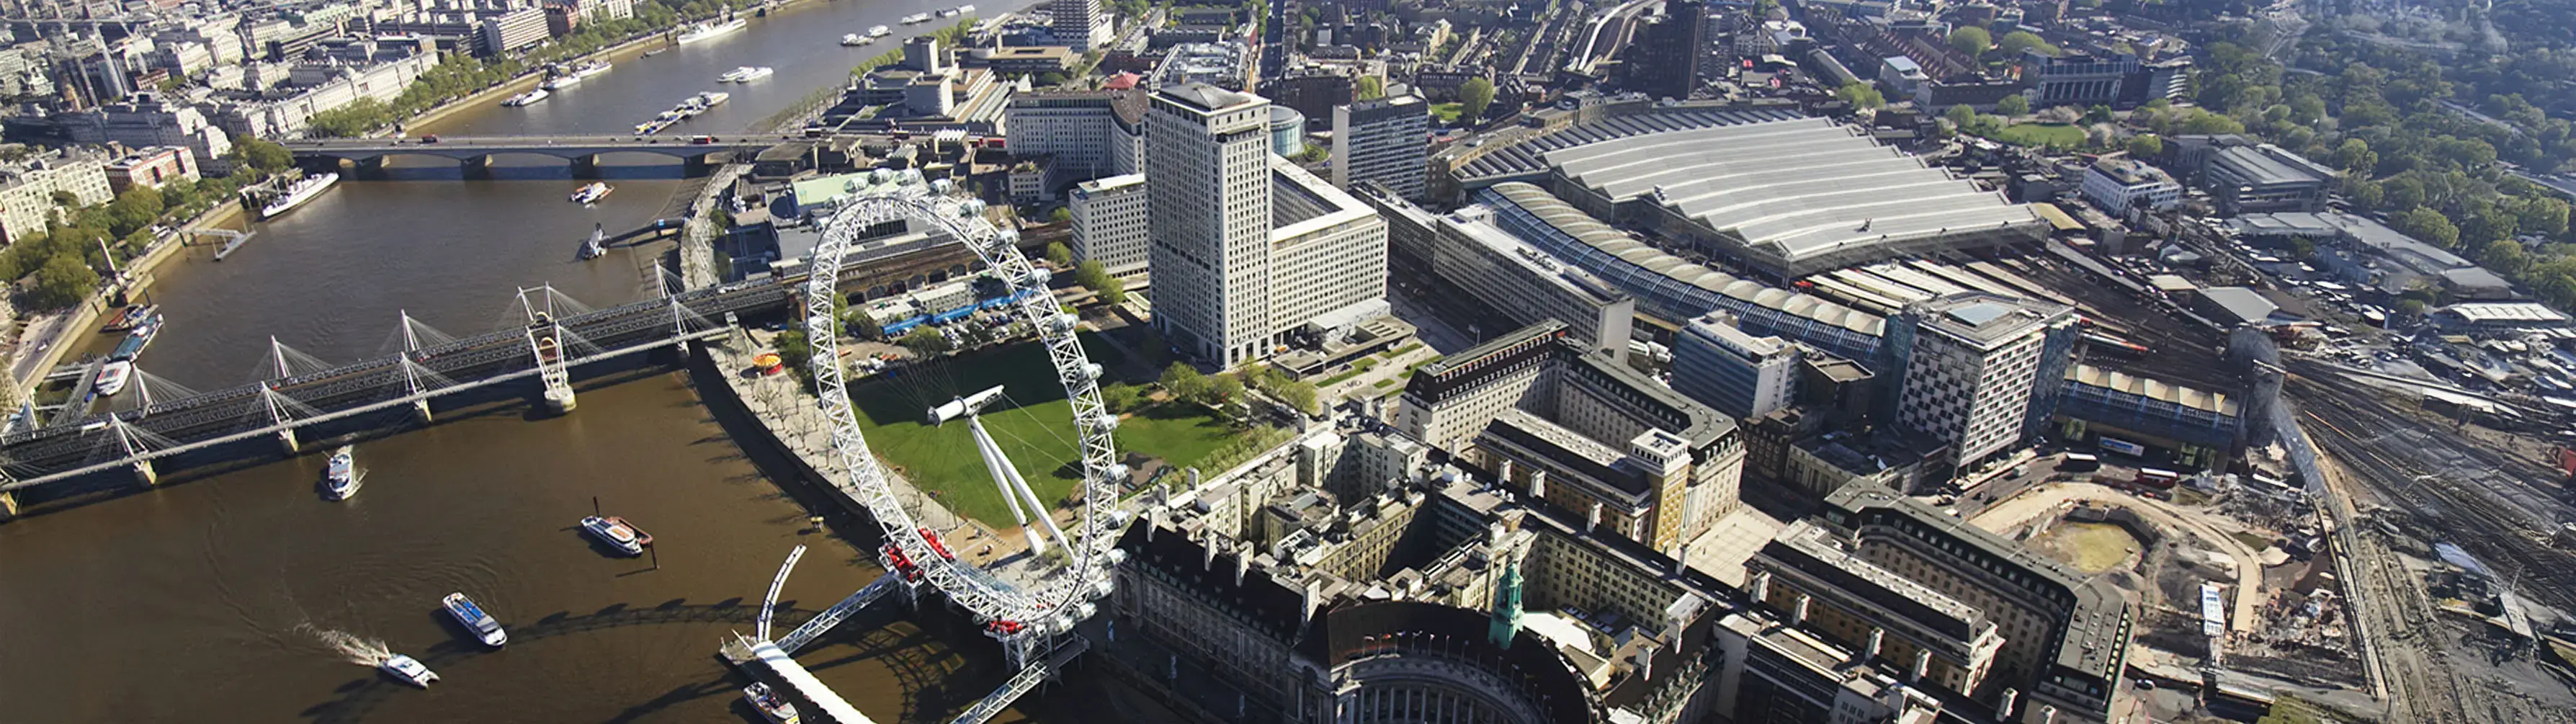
1106 421
943 186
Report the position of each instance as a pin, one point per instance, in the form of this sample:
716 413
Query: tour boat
964 9
746 74
771 707
879 31
702 31
616 533
560 82
299 192
474 619
133 315
589 69
592 193
948 13
113 376
593 247
916 18
407 669
854 39
711 99
529 98
340 474
137 339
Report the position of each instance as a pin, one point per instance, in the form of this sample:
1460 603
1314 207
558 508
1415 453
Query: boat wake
352 647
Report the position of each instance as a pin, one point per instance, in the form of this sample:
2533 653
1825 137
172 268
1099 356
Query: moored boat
340 474
133 315
112 377
702 31
711 99
529 98
591 68
614 532
475 619
408 669
915 19
299 192
771 707
854 39
879 31
596 245
136 339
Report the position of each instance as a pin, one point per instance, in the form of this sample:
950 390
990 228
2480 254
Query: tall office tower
1081 24
1666 60
1208 193
1971 364
1387 140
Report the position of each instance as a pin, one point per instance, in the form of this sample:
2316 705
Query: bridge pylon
134 447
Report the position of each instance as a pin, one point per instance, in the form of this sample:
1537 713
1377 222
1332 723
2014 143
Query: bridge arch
1053 604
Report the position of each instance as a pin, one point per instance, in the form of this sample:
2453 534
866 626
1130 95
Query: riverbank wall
779 416
623 50
58 340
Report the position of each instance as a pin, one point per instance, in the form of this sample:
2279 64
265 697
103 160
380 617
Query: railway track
2401 627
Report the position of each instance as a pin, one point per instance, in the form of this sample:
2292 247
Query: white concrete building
1207 180
27 190
1080 24
287 117
1109 222
1246 247
512 30
1387 140
1091 134
147 122
2119 184
1972 363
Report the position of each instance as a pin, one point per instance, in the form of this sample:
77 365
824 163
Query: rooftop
2246 305
1796 188
2130 172
1527 159
2504 312
1569 449
1818 553
2269 164
2153 389
1646 258
1985 319
1208 98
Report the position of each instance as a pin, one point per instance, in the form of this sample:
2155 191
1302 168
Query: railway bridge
700 153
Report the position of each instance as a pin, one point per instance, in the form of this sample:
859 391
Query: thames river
242 596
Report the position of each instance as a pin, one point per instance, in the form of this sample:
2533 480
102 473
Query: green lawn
1448 112
2042 134
1037 435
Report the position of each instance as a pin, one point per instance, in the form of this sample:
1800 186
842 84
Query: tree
2013 43
2355 157
2012 105
1185 382
926 341
1224 388
63 281
2146 145
862 325
1961 115
1369 87
354 119
2428 226
1971 41
1121 398
1059 254
263 154
2543 215
1299 394
1094 276
1860 95
793 350
1473 97
2505 257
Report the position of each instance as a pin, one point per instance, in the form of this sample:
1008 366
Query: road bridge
475 154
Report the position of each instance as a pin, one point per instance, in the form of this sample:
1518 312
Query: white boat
561 82
776 710
407 669
340 477
299 192
589 69
948 13
616 533
596 245
759 72
529 98
964 9
736 74
112 377
711 99
592 193
915 19
855 39
879 31
702 31
648 128
475 619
